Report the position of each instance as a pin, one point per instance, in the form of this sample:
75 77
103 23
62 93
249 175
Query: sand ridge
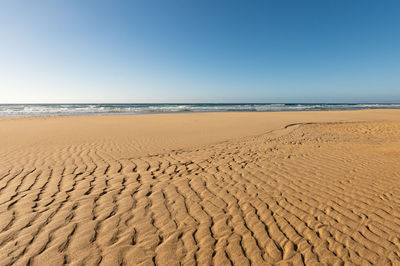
305 194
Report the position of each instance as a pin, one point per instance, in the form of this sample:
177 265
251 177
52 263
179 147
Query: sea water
102 109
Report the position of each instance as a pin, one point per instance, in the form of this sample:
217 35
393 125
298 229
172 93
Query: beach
229 188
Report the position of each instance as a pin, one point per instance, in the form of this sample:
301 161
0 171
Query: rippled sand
229 188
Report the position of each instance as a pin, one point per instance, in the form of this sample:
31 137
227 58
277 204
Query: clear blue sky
199 51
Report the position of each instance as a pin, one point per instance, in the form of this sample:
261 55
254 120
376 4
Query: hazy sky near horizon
199 51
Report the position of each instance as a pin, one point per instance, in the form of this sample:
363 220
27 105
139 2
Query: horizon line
140 103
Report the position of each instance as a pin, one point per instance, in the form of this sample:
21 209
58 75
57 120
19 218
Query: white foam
91 109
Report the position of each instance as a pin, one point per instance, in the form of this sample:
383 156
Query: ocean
15 110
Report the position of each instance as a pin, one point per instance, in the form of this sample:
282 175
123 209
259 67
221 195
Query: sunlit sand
241 188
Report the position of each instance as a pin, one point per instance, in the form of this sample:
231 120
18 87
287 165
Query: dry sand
216 188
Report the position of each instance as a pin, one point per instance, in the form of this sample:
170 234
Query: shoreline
34 110
183 113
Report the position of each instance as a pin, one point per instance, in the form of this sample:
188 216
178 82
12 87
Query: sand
200 189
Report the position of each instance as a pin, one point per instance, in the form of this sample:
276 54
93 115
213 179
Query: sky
82 51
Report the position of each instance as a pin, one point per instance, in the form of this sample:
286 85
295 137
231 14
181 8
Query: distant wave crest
101 109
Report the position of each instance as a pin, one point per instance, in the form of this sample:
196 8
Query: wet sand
213 188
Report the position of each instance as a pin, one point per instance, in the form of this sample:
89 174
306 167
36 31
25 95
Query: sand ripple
312 193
